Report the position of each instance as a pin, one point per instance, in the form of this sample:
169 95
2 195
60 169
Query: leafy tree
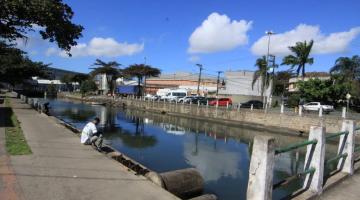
140 71
347 67
261 73
87 86
281 82
301 57
15 67
67 79
324 90
18 17
110 69
80 78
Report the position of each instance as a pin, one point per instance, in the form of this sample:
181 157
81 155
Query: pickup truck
315 106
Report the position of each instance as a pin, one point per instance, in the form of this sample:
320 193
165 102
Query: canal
163 143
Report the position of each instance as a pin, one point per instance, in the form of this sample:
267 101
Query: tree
67 79
18 17
347 67
281 82
110 69
15 67
323 90
301 57
262 73
79 78
140 71
87 86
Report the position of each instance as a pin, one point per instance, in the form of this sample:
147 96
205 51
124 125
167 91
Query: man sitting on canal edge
91 136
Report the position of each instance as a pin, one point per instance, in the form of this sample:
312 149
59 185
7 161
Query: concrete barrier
205 197
184 183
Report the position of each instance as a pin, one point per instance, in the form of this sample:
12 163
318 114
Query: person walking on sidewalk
90 134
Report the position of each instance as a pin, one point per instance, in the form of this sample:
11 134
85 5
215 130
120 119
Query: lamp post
198 87
268 33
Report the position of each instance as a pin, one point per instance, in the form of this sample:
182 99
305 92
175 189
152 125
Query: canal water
163 143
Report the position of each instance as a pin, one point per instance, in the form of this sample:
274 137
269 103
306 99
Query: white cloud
219 33
107 47
323 44
51 51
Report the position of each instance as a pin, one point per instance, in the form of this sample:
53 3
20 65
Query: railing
294 177
260 185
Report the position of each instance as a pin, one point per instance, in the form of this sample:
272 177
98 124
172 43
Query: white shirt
88 131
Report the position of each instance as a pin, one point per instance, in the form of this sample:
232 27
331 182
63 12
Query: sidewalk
348 189
60 168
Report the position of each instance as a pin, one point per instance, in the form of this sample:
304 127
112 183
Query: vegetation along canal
164 143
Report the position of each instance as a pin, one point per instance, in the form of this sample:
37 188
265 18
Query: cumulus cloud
219 33
323 44
107 47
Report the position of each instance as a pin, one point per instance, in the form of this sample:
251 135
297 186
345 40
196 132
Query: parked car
152 97
315 106
195 100
185 99
174 95
204 101
222 102
256 104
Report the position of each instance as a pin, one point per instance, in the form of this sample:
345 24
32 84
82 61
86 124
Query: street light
198 87
268 33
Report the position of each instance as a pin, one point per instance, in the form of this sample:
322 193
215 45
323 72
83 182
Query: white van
174 95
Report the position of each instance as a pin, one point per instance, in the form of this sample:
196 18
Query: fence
260 185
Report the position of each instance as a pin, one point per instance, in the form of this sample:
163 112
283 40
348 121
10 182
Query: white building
238 85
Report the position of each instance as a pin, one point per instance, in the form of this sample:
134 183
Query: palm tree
140 71
262 73
301 57
110 69
347 67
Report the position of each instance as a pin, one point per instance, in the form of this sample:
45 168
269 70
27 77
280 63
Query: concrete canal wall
247 117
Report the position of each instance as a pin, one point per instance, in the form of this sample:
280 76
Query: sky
174 35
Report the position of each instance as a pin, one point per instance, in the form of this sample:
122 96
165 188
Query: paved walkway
60 168
348 189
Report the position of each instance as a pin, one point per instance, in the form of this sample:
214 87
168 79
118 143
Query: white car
315 106
186 99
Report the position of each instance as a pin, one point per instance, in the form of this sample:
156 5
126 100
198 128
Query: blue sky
173 35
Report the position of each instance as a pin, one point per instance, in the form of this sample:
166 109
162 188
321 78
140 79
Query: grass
14 137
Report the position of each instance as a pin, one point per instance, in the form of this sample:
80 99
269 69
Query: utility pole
217 83
268 33
198 88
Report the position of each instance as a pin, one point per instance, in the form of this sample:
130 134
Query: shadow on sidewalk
5 114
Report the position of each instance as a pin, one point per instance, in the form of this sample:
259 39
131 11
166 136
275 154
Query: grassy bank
14 137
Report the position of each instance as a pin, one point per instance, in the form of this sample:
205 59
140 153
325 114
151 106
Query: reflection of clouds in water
212 164
288 162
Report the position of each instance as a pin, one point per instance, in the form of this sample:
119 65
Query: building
238 86
182 80
309 75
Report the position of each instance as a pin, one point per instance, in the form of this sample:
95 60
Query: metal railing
294 146
299 175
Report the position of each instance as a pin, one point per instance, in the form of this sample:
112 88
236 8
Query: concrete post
207 103
261 169
315 157
321 111
347 145
252 107
198 103
238 108
282 108
343 112
227 105
217 104
300 110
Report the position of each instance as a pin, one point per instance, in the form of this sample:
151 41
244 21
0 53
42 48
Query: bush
87 86
293 100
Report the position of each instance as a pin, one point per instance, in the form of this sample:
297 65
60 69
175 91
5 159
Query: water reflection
221 153
212 162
